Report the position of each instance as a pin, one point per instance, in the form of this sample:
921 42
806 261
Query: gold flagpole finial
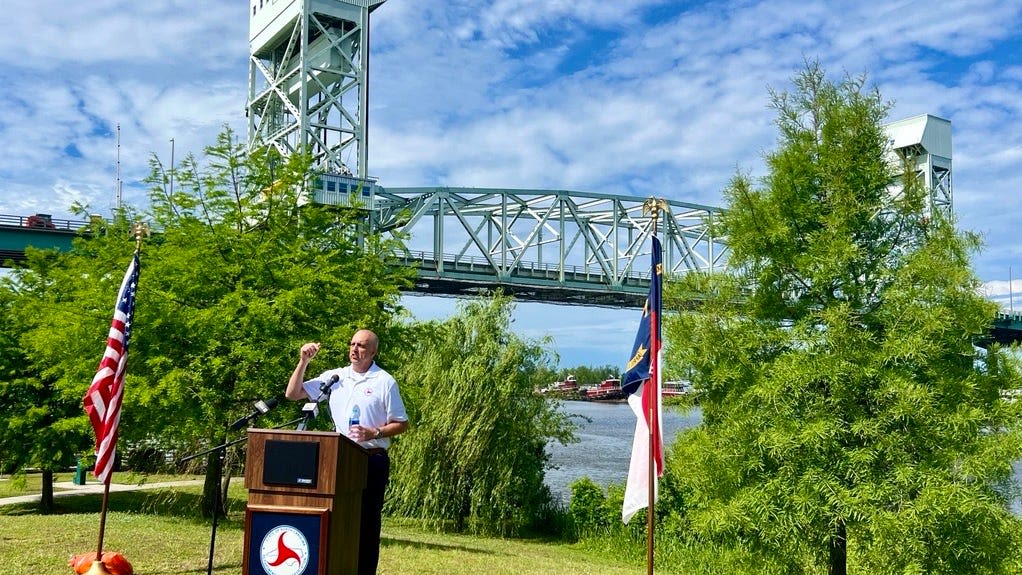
139 230
652 207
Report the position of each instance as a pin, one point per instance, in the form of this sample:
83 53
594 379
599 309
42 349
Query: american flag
103 400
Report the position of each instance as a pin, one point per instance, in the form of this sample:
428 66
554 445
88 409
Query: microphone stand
221 451
309 411
324 397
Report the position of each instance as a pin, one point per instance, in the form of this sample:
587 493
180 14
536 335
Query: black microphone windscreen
265 406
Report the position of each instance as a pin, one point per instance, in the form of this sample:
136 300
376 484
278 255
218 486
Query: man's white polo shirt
375 392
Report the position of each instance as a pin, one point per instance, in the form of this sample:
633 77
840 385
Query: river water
605 431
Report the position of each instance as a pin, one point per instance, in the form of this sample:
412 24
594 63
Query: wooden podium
304 503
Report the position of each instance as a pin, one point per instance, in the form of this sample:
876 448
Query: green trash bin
79 473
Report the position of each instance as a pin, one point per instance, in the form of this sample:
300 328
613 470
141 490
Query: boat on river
607 390
676 388
567 389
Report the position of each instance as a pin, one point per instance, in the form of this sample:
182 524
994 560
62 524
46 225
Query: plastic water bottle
353 420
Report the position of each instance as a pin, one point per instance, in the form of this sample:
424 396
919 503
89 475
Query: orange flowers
114 562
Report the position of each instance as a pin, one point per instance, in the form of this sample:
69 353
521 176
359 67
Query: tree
591 375
848 416
239 271
33 430
474 459
44 421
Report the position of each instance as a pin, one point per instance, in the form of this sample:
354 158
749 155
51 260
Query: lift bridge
539 245
550 246
308 90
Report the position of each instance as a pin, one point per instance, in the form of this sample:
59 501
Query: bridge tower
309 80
924 141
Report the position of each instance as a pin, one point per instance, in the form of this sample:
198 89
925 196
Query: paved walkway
68 489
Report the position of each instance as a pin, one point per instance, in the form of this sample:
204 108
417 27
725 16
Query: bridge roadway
39 231
1007 328
550 246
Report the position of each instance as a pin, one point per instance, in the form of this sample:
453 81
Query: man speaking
366 405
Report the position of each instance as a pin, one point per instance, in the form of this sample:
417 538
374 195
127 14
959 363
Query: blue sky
641 97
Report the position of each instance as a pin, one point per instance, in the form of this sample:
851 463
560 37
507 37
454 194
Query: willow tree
475 458
850 422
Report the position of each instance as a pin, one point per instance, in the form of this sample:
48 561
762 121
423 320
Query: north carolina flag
642 383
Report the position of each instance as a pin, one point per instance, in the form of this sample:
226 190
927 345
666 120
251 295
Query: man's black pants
377 476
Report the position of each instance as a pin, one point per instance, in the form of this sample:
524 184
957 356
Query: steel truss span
543 245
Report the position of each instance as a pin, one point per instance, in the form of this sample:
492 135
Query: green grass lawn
159 533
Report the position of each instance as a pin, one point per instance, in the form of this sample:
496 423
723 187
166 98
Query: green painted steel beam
1007 329
39 231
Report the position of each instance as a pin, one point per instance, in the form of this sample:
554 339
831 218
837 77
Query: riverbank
605 431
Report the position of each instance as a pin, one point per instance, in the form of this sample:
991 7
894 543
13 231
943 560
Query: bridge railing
41 222
1009 317
427 260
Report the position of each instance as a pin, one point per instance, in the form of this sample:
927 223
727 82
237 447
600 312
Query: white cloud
1007 294
587 95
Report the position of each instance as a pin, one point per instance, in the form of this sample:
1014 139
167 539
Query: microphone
325 387
261 408
322 385
309 411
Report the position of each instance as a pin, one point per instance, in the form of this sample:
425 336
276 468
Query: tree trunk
839 550
225 488
211 501
46 501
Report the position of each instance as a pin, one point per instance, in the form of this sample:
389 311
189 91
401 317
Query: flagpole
651 494
653 206
651 417
98 567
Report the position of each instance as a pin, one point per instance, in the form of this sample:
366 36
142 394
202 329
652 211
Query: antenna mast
118 187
